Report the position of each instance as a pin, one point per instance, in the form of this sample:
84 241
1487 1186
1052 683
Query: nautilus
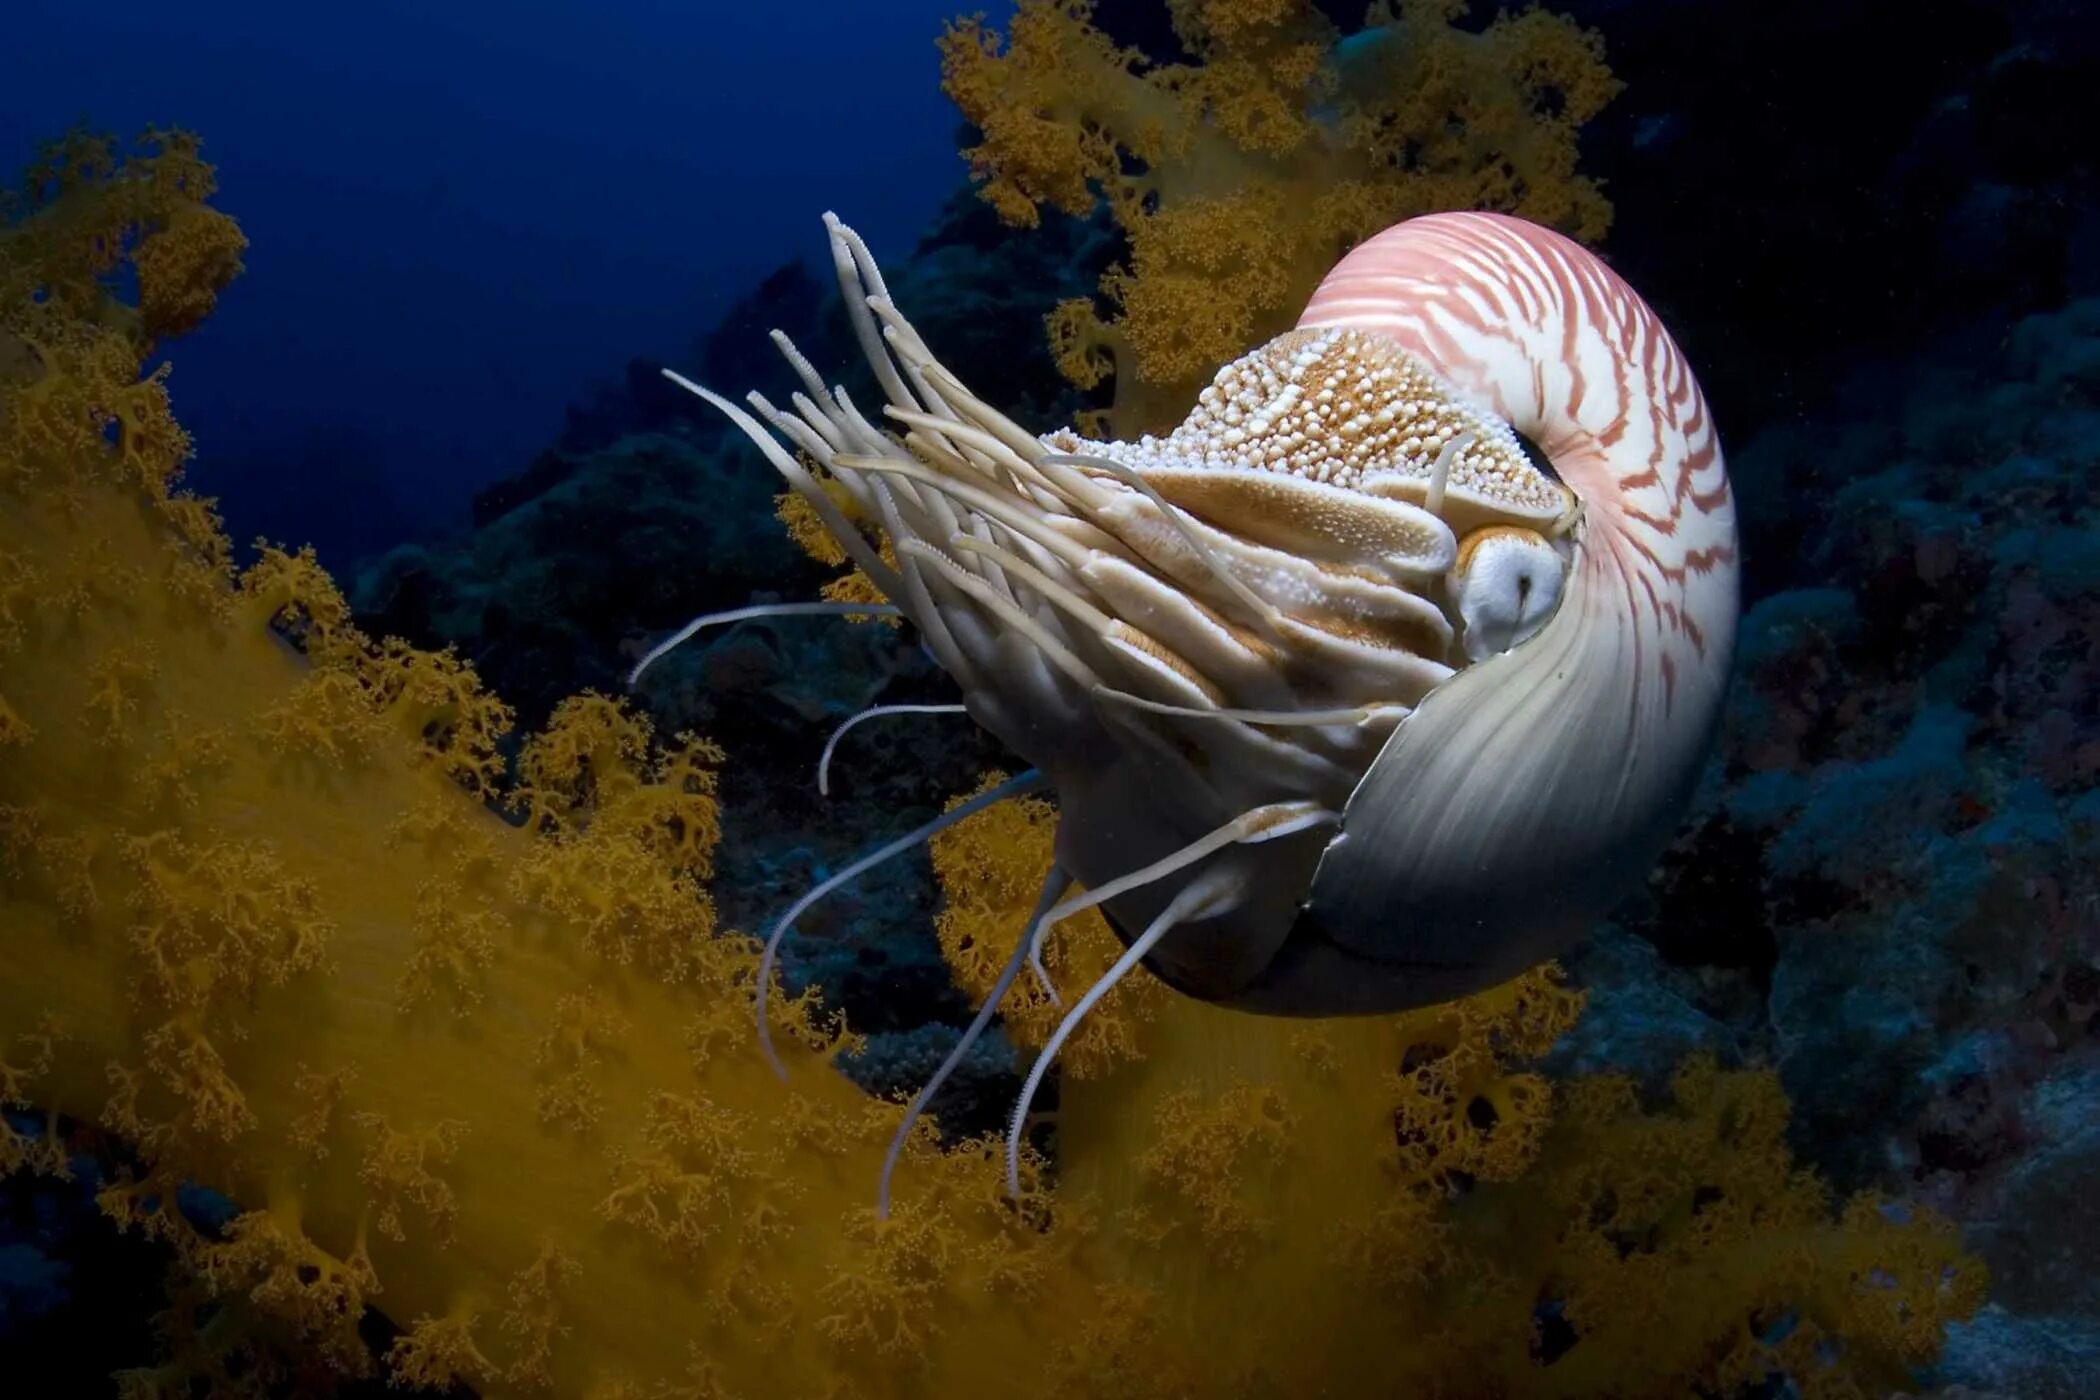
1368 686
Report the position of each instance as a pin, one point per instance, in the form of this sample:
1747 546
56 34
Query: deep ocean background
1874 227
462 213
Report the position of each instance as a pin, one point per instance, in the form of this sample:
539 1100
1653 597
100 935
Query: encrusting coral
1241 176
464 1045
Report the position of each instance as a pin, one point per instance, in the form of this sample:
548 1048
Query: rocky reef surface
1887 886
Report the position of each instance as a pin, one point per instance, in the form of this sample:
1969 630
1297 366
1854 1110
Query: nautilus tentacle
1527 792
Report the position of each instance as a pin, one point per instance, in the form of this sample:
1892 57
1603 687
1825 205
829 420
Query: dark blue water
462 213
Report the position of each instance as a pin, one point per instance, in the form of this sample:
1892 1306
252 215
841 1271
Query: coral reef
576 564
1239 176
447 1015
645 515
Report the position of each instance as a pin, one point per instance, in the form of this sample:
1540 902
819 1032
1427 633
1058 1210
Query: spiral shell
1526 794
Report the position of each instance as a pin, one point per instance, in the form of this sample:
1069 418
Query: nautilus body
1370 684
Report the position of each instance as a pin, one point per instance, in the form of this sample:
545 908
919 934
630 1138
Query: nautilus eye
1504 587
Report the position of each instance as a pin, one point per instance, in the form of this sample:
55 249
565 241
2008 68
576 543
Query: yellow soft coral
498 1076
1417 1160
1688 1244
991 867
91 213
1241 176
813 537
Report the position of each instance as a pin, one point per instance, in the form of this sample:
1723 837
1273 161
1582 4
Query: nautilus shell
1530 791
1375 680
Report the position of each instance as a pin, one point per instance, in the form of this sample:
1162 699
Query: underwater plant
1239 176
263 919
